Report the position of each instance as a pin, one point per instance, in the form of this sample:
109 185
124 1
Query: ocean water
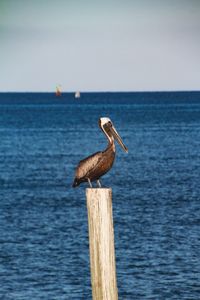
156 194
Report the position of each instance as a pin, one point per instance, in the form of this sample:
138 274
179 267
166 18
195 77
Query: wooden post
101 238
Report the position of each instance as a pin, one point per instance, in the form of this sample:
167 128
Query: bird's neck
111 144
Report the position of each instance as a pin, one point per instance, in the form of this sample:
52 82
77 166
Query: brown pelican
99 163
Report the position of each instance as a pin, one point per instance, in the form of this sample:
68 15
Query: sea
44 248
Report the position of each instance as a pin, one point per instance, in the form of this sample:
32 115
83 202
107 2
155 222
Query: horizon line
111 91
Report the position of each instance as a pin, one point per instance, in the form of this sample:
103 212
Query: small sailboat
58 91
77 95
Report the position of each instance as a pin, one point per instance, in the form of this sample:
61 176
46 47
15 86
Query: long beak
118 138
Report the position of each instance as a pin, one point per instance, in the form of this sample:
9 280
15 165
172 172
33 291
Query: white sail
77 94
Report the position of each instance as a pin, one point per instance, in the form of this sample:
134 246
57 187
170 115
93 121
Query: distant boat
58 91
77 95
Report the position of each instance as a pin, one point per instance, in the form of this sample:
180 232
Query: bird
98 164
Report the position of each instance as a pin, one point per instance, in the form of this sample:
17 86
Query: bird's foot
99 183
90 184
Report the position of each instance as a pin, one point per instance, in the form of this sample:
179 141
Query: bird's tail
75 183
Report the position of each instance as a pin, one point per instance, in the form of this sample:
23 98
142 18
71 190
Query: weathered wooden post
101 239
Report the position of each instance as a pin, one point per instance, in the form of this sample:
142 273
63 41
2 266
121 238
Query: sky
104 45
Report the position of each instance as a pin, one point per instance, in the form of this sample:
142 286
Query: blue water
156 194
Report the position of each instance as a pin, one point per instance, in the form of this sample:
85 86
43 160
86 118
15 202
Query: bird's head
108 128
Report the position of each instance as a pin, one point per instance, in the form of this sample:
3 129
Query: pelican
96 165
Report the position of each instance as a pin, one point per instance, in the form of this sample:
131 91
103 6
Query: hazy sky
105 45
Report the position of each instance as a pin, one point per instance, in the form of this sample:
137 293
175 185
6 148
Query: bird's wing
88 164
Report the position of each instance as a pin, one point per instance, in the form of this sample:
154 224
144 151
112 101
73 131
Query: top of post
98 191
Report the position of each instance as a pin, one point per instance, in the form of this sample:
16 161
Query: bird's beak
118 138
